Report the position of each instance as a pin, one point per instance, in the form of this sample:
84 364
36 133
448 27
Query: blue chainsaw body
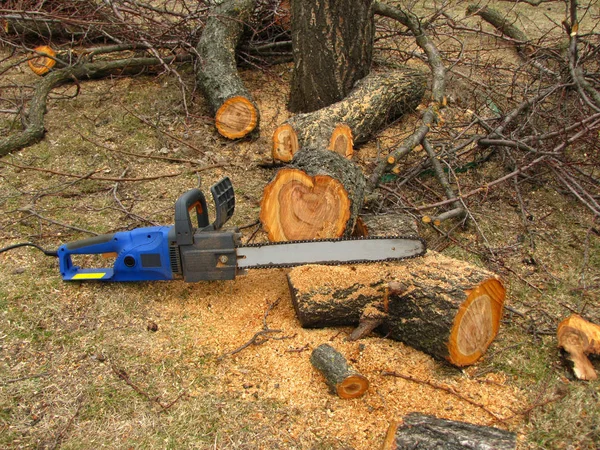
165 252
141 254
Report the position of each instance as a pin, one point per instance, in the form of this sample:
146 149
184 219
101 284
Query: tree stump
375 101
332 43
447 308
320 196
341 378
420 431
579 338
236 114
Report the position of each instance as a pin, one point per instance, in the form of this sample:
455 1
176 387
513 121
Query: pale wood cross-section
579 338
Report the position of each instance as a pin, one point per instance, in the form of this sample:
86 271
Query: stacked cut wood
447 308
420 431
236 114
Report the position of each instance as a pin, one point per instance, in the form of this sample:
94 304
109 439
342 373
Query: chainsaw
207 252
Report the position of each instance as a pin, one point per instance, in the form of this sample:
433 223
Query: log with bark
375 101
341 378
579 338
447 308
319 196
332 44
236 114
420 431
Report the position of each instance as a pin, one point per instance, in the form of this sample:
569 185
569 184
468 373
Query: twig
254 340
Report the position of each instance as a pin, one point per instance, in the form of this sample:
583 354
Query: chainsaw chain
334 263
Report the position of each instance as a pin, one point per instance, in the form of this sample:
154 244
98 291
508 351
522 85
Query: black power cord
29 244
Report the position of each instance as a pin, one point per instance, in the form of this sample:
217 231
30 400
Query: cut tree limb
319 196
375 101
236 114
420 431
447 308
34 129
341 378
579 338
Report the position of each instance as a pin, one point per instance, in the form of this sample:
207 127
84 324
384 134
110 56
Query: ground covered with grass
156 365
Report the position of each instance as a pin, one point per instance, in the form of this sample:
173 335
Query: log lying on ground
420 431
375 101
319 196
341 378
236 114
447 308
393 224
579 338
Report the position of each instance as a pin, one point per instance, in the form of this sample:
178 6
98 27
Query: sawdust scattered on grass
223 316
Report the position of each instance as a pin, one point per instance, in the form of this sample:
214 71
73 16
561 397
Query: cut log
43 60
375 101
320 196
447 308
332 44
341 378
579 338
420 431
236 114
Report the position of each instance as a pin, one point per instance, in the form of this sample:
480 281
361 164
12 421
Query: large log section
422 432
444 307
332 43
319 196
375 101
236 114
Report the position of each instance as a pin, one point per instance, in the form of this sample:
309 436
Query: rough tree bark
236 114
375 101
332 44
341 378
444 307
420 431
319 196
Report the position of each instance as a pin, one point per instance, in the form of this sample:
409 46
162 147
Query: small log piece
319 196
236 114
375 101
447 308
420 431
579 338
341 378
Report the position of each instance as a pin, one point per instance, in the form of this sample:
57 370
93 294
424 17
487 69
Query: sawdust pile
223 316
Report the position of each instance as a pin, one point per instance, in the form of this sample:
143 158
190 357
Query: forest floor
149 365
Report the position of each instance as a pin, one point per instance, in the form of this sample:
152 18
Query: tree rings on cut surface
319 196
44 61
297 206
236 117
285 143
477 322
341 141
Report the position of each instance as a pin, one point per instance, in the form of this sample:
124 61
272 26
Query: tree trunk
320 196
579 338
420 431
341 378
439 305
236 114
375 101
332 45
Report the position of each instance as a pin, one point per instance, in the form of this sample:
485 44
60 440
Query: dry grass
79 367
